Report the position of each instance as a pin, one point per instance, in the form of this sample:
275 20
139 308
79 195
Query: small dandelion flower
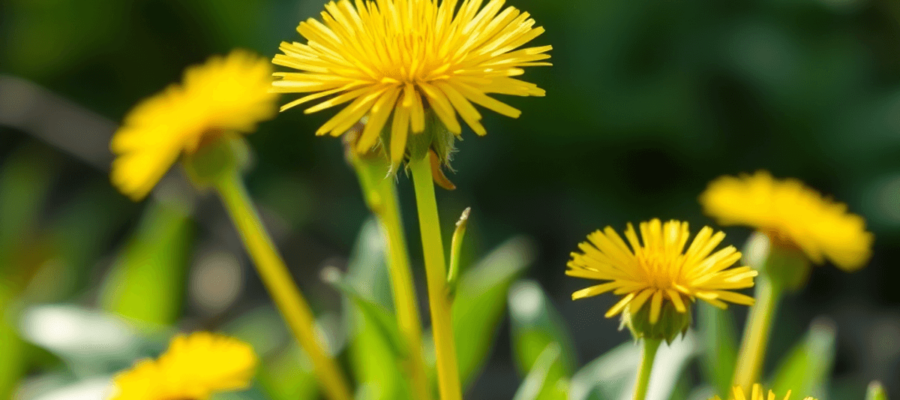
400 58
660 271
224 96
791 215
757 394
194 367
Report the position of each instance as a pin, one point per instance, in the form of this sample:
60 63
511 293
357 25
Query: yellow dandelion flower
194 367
403 57
756 393
659 270
221 97
791 215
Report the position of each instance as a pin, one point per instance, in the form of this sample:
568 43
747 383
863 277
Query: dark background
647 102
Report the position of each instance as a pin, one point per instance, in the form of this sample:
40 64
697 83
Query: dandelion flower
791 215
401 58
659 270
227 95
194 367
756 394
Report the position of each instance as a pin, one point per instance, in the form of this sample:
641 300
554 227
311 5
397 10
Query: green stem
275 275
436 273
647 358
756 333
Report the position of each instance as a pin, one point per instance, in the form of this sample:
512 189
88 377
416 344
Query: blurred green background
646 103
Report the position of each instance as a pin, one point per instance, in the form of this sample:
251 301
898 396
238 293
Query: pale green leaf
806 368
146 283
536 325
480 303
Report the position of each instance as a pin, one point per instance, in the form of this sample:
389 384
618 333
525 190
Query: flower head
402 57
194 367
756 394
659 270
792 215
226 95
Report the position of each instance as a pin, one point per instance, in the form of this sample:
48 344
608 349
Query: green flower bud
671 323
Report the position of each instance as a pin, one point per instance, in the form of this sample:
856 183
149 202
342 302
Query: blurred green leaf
480 302
12 363
611 376
146 282
719 346
540 383
876 392
25 180
89 341
806 369
535 326
376 347
288 375
380 319
285 372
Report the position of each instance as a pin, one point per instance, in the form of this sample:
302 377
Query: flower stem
381 196
274 274
436 272
643 379
756 333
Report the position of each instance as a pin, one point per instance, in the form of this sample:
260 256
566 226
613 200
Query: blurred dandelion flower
659 270
756 394
224 96
194 367
791 215
404 57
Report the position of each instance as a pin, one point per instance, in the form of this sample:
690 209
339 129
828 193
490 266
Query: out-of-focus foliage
541 344
719 346
479 302
807 368
152 266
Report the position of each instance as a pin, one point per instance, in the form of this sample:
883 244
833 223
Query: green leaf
540 383
285 371
612 375
288 375
25 179
147 279
376 346
535 326
480 303
876 392
805 370
12 363
376 316
719 346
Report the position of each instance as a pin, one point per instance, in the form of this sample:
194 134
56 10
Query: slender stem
436 272
756 333
643 379
402 286
646 367
274 274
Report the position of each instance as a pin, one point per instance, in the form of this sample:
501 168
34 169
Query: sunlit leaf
81 336
806 369
612 375
147 280
540 383
719 346
480 302
876 392
285 373
376 346
536 325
